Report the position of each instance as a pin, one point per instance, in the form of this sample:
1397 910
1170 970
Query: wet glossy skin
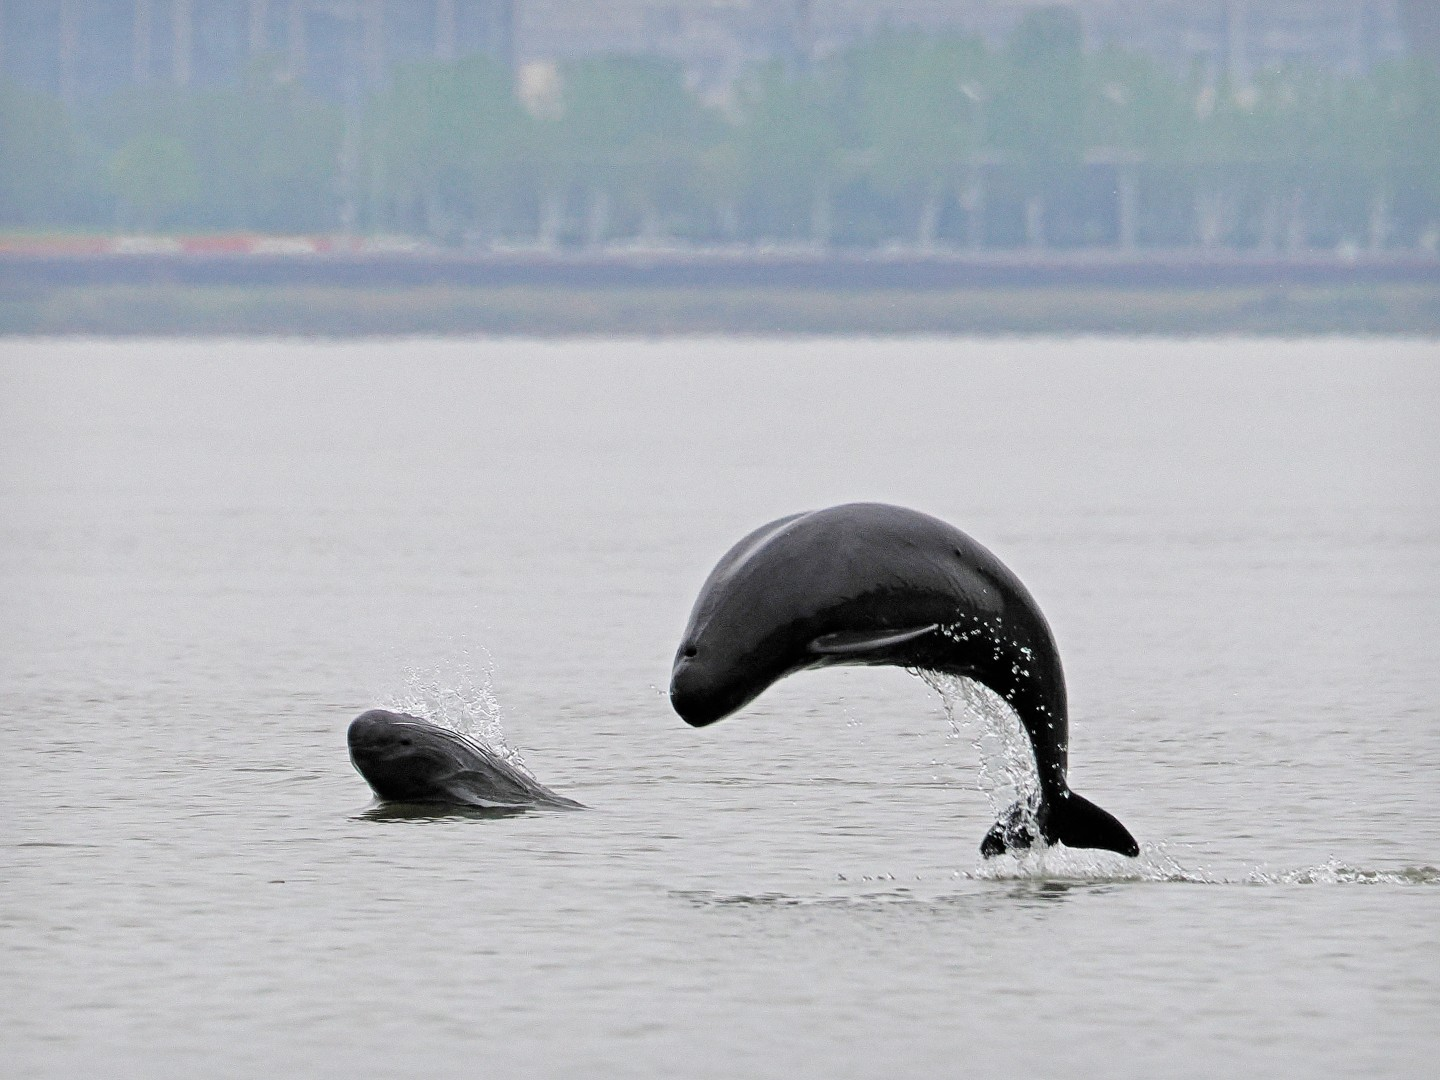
406 759
867 583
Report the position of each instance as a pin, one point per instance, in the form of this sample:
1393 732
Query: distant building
77 48
87 47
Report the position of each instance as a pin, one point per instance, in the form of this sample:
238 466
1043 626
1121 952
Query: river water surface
213 554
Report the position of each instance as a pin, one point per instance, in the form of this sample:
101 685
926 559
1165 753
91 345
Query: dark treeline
904 140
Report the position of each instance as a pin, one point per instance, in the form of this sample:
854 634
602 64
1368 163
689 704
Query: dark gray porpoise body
406 759
873 584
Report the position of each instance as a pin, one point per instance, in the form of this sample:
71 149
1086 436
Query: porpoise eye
690 651
405 741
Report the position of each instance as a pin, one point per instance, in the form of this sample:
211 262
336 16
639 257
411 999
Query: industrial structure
80 48
85 47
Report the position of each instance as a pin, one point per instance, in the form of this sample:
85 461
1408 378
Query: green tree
1414 148
629 133
789 146
1139 119
1352 155
1281 125
913 112
1210 154
40 158
1037 118
1134 105
267 153
153 176
1309 153
719 181
264 153
444 143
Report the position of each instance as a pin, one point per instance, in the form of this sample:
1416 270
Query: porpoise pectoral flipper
857 643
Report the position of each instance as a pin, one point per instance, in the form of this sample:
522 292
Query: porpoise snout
700 696
378 729
398 755
689 693
692 706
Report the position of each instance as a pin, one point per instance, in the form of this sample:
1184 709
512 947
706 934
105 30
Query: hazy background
836 123
217 549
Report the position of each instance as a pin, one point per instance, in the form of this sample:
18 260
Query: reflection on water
1015 893
1009 884
398 811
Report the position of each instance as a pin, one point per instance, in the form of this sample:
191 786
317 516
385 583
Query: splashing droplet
1007 762
459 694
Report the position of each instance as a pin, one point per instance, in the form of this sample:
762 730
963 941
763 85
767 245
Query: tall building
85 47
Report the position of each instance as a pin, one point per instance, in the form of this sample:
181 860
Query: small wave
1083 866
1335 872
1154 865
430 812
57 844
1051 874
703 898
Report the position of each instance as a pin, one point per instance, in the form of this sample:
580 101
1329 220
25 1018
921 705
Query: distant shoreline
293 309
323 261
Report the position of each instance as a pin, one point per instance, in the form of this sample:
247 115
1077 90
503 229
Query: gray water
213 554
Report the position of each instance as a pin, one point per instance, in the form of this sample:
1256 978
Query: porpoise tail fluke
1070 819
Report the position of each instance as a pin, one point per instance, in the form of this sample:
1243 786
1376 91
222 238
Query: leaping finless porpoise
406 759
867 583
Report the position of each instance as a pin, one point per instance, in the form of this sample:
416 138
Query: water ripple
1054 874
1154 865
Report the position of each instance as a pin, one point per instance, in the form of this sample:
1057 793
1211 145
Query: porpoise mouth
701 700
695 709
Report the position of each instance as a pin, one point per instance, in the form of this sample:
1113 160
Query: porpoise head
749 628
715 675
853 584
400 756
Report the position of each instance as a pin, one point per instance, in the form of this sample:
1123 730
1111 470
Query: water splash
1007 761
1155 864
1008 775
1062 864
1334 872
459 694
